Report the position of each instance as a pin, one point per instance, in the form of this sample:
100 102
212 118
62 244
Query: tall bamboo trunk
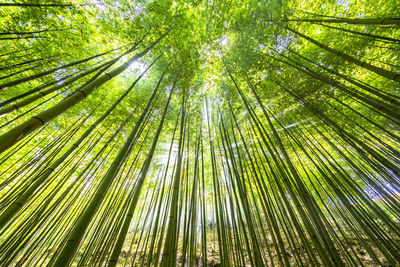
379 21
8 214
137 190
382 72
21 131
170 239
68 251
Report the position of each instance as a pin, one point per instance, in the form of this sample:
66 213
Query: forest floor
213 259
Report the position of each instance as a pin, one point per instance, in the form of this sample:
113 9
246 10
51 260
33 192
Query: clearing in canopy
199 133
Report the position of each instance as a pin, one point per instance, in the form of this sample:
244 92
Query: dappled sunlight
199 133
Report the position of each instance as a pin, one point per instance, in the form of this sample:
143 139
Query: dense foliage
227 133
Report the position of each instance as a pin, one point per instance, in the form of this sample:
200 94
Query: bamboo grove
199 133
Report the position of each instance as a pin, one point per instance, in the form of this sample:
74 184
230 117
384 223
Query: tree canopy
199 133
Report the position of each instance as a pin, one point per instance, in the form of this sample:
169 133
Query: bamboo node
39 119
84 94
